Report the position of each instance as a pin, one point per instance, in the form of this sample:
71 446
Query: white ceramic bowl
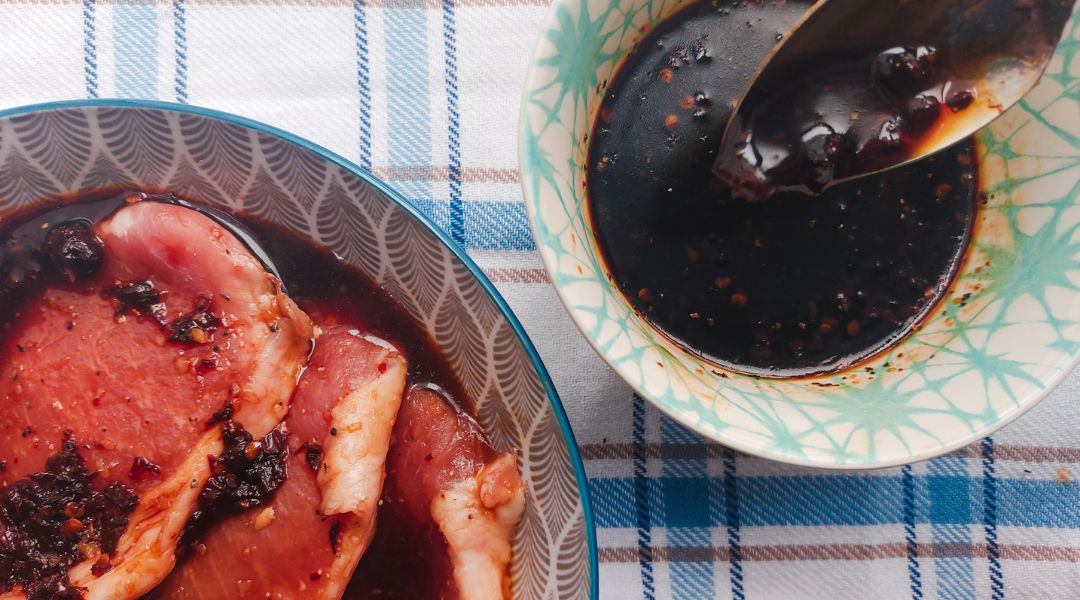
970 369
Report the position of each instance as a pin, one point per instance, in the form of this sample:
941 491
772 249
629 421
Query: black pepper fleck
335 531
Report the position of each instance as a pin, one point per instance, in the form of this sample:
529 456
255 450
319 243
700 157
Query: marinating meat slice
447 479
307 541
179 322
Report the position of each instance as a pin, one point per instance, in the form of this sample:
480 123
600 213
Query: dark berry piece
920 113
959 100
74 249
903 71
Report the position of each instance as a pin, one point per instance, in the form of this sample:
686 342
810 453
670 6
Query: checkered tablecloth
417 89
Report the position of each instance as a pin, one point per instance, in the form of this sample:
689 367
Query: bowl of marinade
884 320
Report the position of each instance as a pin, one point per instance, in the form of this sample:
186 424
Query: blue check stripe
135 39
180 82
952 501
689 580
733 514
488 225
457 215
641 494
910 538
990 519
363 80
408 96
849 500
90 69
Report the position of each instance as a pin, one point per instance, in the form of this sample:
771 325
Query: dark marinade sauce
854 115
55 519
790 286
406 559
825 117
409 558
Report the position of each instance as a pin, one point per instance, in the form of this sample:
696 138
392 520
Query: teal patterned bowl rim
441 236
1007 332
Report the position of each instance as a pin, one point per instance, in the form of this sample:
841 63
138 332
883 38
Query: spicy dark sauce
790 286
409 558
406 559
56 518
331 291
326 287
838 117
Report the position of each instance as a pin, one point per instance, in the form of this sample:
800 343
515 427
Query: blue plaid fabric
426 95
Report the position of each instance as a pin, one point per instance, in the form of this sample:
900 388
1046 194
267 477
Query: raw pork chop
447 480
307 541
179 322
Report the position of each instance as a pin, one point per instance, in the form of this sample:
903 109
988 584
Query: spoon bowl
851 91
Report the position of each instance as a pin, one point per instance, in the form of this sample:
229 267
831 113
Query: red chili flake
695 315
252 450
691 254
644 294
738 299
71 528
666 75
382 367
206 365
721 281
825 328
853 328
670 122
607 116
74 510
687 102
942 190
101 566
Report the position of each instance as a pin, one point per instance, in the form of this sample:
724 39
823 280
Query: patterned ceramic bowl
239 165
1008 330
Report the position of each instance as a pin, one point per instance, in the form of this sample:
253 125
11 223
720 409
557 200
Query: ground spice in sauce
245 475
138 297
55 519
789 286
141 298
248 472
196 326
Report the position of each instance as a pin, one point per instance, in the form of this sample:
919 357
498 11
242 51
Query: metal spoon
960 63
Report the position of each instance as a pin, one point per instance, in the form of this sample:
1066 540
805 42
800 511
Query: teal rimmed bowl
1007 331
240 165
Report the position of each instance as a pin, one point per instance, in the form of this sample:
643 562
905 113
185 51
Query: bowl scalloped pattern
1006 332
240 166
